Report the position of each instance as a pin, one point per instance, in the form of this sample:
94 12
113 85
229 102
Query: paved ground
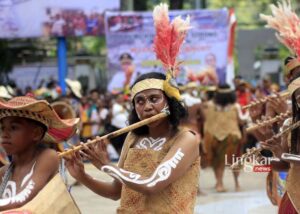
251 200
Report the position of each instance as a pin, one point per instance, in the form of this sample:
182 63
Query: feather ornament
287 24
169 37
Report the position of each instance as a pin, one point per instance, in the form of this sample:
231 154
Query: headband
294 85
145 85
292 64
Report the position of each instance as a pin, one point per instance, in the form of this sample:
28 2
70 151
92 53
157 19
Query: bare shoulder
186 143
49 153
48 159
188 139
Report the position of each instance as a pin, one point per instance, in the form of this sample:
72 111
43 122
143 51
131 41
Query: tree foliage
247 11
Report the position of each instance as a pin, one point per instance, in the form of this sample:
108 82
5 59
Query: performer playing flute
288 144
286 22
159 164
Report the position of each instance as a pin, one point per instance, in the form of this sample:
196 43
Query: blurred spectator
93 112
58 26
86 129
243 93
119 117
125 77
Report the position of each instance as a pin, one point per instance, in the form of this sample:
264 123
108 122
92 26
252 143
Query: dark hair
94 90
239 77
224 98
125 56
288 59
294 132
210 95
38 124
295 77
177 110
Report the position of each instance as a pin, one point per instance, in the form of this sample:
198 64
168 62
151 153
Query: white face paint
165 109
162 172
150 143
10 196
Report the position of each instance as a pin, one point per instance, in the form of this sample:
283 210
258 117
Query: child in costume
25 124
158 169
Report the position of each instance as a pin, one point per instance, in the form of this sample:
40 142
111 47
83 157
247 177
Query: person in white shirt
58 26
119 119
124 78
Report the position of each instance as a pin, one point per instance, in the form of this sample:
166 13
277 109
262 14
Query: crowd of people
104 112
73 23
158 163
215 115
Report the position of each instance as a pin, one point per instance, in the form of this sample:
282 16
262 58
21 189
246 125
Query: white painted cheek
166 108
139 116
137 113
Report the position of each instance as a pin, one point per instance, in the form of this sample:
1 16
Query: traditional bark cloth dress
178 197
290 203
221 133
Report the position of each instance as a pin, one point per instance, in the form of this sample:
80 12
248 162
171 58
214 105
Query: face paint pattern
165 109
10 196
150 143
162 172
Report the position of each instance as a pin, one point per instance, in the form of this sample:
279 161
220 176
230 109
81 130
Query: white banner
204 52
35 18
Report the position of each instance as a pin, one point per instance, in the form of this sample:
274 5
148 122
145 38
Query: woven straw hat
4 92
40 110
75 87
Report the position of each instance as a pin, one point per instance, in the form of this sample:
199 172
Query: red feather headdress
167 42
287 24
169 36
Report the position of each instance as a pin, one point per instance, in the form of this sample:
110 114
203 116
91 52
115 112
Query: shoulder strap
130 139
6 177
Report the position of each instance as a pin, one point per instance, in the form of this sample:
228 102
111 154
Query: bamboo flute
263 123
254 150
118 132
265 99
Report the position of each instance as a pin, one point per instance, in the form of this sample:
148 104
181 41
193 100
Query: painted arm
110 190
45 168
176 163
76 169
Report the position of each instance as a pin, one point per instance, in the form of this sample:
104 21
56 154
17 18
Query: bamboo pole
118 132
265 99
